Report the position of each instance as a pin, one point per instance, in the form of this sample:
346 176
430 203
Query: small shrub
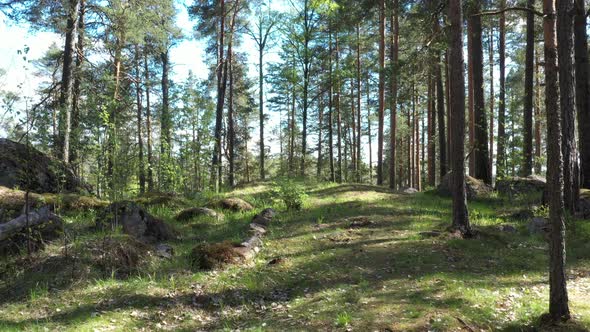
292 194
343 319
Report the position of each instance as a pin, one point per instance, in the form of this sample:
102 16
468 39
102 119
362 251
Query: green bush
291 193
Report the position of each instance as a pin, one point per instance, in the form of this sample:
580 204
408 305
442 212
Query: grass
386 276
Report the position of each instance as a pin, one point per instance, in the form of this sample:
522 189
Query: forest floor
398 271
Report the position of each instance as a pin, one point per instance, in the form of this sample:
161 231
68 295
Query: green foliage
541 211
291 193
343 319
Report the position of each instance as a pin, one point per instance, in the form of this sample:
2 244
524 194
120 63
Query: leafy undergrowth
396 270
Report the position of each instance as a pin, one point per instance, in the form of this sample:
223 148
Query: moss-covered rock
25 167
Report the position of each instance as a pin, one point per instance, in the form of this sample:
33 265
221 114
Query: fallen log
35 218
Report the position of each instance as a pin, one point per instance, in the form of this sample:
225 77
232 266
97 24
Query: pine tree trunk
393 92
75 130
470 99
457 91
568 111
358 100
370 137
138 95
480 147
67 82
381 92
320 129
231 133
582 91
501 153
216 162
527 168
148 125
538 120
261 108
340 175
442 139
431 133
165 117
558 297
492 100
330 114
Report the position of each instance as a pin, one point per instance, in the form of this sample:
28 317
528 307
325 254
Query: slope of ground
391 271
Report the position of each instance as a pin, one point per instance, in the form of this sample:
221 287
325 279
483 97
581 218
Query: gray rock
234 204
475 188
25 167
134 221
164 250
188 214
265 217
514 186
410 191
538 225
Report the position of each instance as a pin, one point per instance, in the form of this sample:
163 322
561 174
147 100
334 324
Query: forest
294 165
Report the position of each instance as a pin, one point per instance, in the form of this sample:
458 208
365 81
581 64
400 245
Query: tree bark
501 153
457 91
470 100
340 175
381 92
568 111
330 113
75 122
148 125
527 168
358 100
558 297
231 132
431 132
67 82
492 101
480 147
582 90
393 92
138 95
442 140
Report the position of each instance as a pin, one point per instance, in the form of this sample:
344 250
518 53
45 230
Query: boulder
25 167
265 217
507 229
135 221
190 213
514 186
538 225
409 191
234 204
475 188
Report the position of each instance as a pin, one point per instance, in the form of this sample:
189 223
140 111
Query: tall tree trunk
261 100
67 82
231 133
431 132
582 91
306 73
370 137
381 91
320 137
527 167
165 117
417 162
568 111
470 99
75 130
442 140
480 148
393 92
353 128
457 90
138 95
538 166
330 114
216 162
358 100
492 100
410 145
148 125
501 153
338 113
558 297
